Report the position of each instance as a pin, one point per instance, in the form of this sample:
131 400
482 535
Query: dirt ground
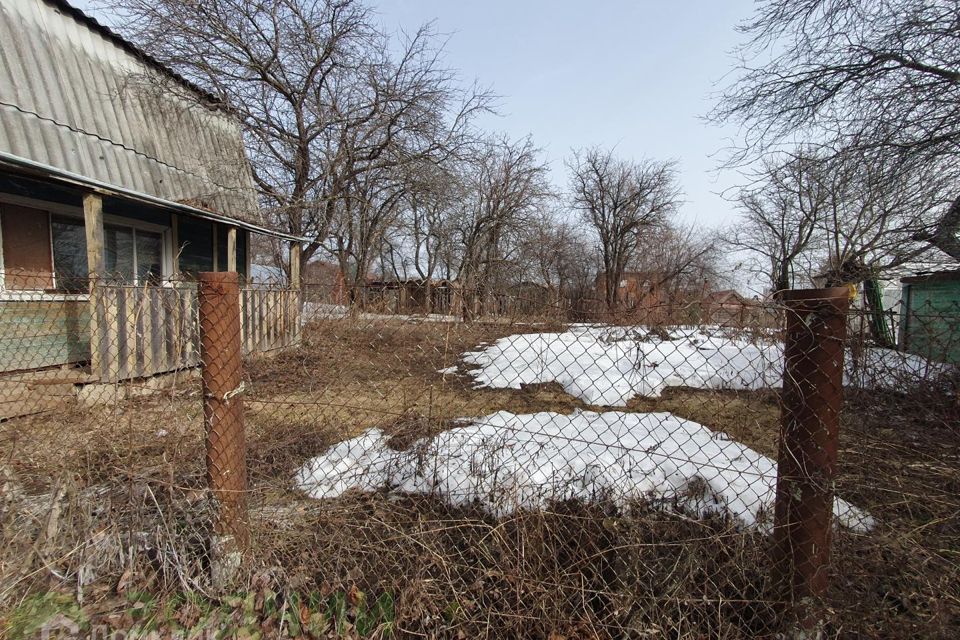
104 501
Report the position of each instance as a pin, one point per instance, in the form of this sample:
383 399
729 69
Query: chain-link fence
413 461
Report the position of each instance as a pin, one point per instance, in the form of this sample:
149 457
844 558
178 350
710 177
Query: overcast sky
635 75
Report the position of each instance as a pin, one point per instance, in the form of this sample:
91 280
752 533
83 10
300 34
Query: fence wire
410 461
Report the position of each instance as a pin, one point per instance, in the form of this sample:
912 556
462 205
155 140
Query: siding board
35 334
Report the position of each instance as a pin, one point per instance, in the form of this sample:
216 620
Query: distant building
726 306
635 290
324 282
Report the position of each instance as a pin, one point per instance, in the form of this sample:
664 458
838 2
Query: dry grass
98 503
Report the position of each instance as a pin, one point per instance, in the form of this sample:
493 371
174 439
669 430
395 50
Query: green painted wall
931 326
43 333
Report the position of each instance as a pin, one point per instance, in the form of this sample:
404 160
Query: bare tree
875 207
683 260
323 96
857 76
555 253
620 200
369 208
506 183
847 217
779 214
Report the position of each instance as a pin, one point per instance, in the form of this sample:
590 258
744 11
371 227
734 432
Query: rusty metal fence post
222 380
810 408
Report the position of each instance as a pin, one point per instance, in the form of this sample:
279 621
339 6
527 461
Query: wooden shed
930 316
119 181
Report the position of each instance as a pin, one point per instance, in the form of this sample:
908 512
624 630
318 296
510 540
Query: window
149 248
196 245
118 253
69 253
26 248
129 254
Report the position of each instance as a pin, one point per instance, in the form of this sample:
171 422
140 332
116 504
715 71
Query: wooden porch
121 333
137 332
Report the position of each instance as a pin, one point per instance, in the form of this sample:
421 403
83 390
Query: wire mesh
422 461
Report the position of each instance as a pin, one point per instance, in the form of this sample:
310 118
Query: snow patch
505 461
607 366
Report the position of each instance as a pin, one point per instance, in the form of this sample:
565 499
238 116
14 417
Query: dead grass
99 502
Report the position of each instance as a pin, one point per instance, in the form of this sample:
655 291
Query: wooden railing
269 319
142 331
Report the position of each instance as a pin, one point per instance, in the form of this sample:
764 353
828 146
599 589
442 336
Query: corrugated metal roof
77 97
134 50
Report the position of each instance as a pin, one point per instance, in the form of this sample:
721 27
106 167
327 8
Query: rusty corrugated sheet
74 98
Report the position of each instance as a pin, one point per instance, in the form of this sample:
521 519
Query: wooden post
93 226
175 241
294 265
296 300
232 249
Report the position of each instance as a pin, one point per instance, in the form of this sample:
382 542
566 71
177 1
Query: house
323 282
930 316
727 307
636 290
119 181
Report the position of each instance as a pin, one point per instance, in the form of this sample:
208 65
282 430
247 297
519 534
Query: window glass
126 253
196 245
69 253
222 231
118 253
149 257
242 254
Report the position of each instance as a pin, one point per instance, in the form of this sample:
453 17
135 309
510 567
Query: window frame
69 211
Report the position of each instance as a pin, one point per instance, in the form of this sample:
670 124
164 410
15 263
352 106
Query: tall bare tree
875 208
682 259
506 183
847 216
779 214
431 204
555 253
322 94
369 208
620 200
856 75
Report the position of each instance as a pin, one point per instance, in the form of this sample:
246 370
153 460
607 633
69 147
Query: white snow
505 461
608 366
314 311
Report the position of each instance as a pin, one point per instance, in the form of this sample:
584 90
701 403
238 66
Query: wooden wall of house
43 333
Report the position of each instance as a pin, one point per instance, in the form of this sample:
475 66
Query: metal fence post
221 374
810 409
